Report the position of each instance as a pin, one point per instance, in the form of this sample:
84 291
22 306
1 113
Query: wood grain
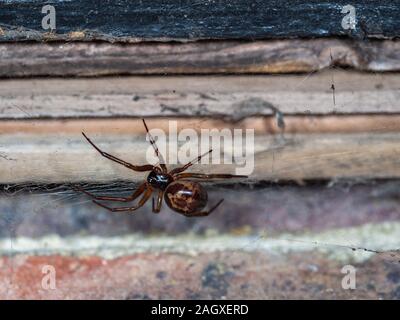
62 155
231 97
183 20
293 124
280 56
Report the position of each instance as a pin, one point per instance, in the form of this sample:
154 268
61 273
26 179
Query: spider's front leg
140 168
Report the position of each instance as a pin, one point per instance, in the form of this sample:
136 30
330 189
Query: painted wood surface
184 20
229 97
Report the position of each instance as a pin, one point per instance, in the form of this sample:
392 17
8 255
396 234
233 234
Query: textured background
325 193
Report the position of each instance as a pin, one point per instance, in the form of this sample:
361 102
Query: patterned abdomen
185 197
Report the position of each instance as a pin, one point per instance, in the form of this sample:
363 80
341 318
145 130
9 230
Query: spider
186 197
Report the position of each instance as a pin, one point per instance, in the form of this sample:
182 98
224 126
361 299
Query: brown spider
185 197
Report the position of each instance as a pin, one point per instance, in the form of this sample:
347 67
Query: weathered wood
59 155
279 56
234 97
261 125
137 20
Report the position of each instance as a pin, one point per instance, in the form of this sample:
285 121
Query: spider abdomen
185 197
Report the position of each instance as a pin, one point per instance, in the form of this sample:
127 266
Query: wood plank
136 20
64 156
281 56
261 125
233 97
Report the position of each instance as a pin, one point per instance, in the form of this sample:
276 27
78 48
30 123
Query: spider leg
157 207
158 154
181 169
146 167
142 201
132 197
204 213
205 176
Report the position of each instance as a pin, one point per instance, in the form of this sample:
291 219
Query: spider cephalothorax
181 195
159 180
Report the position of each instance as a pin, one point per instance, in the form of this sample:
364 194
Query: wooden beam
280 56
232 97
63 155
183 20
261 125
